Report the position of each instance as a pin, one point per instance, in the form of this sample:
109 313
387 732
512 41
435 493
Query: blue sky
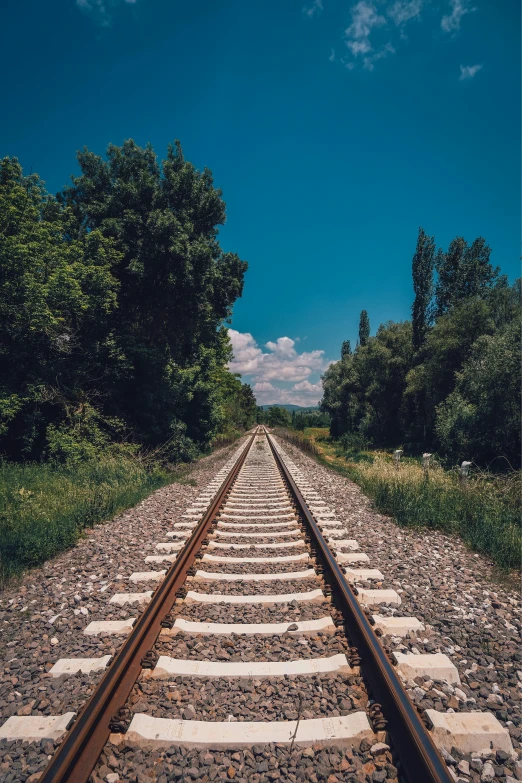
334 128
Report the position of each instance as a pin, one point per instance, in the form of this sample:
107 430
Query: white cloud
101 10
459 8
313 9
364 19
468 72
403 11
305 394
280 363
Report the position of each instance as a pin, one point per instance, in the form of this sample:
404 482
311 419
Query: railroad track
267 621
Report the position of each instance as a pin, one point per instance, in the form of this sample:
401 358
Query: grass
485 513
44 507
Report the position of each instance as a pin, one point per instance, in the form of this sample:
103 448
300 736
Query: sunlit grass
485 512
45 507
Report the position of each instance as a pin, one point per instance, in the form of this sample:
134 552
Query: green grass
45 507
485 514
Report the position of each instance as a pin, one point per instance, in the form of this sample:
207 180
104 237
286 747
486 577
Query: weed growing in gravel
44 507
485 514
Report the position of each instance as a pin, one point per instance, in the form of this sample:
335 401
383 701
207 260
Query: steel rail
418 755
77 755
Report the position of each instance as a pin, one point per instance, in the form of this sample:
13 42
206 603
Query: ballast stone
34 728
435 665
79 665
344 731
469 732
167 667
397 626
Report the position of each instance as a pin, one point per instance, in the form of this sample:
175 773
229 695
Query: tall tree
346 349
422 273
364 328
463 271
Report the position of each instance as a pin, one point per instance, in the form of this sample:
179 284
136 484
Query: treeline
277 416
448 380
113 300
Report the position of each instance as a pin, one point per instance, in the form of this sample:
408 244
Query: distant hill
290 407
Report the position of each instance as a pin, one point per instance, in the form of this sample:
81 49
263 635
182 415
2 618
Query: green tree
364 328
346 349
447 346
422 273
278 417
464 271
480 419
176 285
58 294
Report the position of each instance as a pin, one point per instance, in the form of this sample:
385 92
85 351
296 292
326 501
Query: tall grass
485 512
44 507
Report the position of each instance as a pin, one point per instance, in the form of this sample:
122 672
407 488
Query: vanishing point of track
267 479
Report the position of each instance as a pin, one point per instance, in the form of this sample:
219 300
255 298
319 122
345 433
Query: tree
364 327
176 284
480 419
422 273
346 349
278 417
447 346
113 298
464 271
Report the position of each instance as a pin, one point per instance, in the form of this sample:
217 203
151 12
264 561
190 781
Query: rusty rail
76 757
419 757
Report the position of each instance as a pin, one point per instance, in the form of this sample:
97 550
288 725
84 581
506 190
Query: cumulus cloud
459 8
468 72
313 9
101 11
305 394
279 363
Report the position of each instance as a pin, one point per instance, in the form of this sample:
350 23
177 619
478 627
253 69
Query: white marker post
397 457
464 473
426 463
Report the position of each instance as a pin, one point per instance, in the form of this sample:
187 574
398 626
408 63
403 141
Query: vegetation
114 297
449 380
485 512
45 507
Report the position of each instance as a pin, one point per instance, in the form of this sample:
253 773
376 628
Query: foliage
485 514
278 417
450 383
463 272
364 328
113 298
422 273
481 417
303 419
